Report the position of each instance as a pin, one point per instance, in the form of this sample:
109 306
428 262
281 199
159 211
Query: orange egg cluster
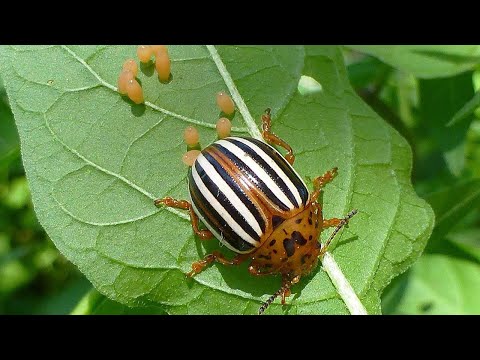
191 136
128 84
162 59
225 103
144 53
190 156
224 126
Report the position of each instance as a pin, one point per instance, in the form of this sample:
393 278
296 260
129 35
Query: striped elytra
242 188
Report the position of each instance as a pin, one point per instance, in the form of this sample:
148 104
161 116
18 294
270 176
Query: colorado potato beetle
254 202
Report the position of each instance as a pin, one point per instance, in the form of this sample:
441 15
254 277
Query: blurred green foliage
34 277
440 118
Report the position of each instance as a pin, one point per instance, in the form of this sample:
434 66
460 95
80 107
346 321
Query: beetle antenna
267 303
342 223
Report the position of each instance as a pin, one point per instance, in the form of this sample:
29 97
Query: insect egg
157 49
224 126
134 91
162 64
131 65
225 103
190 135
144 53
190 156
123 79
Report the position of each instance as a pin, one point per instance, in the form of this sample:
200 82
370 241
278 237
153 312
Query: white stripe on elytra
275 168
230 194
214 230
293 169
257 169
219 208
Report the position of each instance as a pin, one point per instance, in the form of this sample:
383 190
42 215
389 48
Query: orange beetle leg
271 138
199 265
321 181
185 205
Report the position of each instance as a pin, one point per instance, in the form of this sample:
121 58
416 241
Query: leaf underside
95 162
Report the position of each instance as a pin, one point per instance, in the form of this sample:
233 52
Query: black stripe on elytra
268 169
285 166
251 176
225 202
214 220
244 198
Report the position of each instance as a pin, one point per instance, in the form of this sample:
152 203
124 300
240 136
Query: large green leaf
95 162
437 284
426 61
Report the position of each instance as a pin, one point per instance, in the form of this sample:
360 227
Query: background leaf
426 61
451 205
9 142
466 110
95 162
468 240
440 99
437 284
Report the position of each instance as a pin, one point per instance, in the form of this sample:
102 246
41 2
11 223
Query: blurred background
36 279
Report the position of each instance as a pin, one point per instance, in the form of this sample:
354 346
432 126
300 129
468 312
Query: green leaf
367 72
438 284
9 142
426 61
468 240
440 99
94 303
95 162
450 205
467 110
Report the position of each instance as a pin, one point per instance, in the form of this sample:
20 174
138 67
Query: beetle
253 201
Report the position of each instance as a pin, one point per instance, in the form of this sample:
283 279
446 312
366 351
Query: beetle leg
185 205
271 138
255 271
339 224
199 265
331 222
321 181
284 292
